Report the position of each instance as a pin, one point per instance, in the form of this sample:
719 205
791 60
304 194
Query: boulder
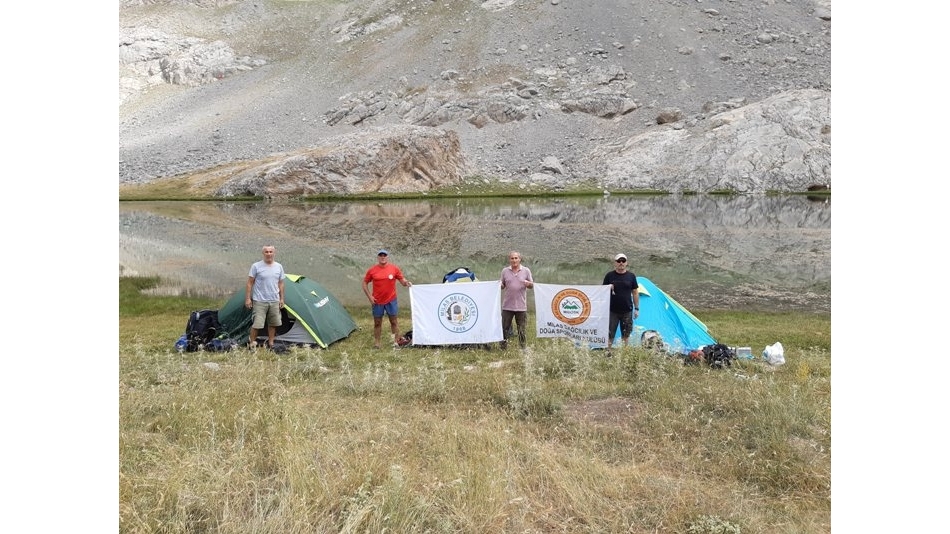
389 159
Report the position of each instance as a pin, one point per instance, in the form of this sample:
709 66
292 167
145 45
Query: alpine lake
709 252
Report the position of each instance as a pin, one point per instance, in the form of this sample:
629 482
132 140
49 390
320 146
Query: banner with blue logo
581 313
456 314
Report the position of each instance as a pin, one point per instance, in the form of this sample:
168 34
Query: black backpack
718 355
202 327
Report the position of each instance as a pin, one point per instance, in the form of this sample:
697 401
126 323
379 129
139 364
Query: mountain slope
208 82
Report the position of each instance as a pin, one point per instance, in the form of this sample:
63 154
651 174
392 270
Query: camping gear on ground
743 352
202 327
462 274
203 332
695 357
651 339
718 355
311 316
774 353
679 329
280 348
220 344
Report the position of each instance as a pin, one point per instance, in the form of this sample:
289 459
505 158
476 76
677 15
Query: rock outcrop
150 57
782 143
394 159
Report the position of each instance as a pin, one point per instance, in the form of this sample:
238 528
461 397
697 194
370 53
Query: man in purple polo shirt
515 281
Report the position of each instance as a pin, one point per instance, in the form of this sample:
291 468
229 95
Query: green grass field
551 439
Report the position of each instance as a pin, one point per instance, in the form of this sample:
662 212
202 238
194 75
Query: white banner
456 313
581 313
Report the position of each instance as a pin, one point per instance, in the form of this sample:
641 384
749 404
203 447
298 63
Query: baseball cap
620 256
382 252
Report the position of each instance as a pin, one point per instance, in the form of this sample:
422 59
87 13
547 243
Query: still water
708 252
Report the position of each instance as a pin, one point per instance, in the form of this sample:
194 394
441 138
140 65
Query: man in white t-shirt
264 295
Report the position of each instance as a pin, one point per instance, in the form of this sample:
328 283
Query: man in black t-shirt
624 299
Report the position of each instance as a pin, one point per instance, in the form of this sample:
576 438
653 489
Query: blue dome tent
680 330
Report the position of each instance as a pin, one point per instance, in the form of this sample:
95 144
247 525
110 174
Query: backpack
718 355
462 274
202 327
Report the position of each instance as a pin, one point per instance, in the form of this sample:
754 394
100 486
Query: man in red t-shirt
383 276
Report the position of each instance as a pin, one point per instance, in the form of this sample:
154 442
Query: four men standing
265 297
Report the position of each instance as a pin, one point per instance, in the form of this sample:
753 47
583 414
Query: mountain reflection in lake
708 252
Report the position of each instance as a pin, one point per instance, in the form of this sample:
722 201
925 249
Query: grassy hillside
554 438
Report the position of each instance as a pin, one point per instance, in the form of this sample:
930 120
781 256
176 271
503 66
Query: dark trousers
521 318
625 320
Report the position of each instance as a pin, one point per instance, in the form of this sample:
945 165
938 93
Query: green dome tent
311 316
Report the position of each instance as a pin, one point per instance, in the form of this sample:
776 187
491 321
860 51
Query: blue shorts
391 309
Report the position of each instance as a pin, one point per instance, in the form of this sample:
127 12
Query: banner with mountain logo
581 313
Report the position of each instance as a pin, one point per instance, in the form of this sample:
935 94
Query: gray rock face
149 57
626 95
778 144
403 159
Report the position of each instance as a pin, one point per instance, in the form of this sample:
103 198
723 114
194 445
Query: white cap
621 255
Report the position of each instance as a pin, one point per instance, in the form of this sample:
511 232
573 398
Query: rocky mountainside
296 97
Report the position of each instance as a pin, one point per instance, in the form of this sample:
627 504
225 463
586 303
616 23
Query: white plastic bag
774 354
